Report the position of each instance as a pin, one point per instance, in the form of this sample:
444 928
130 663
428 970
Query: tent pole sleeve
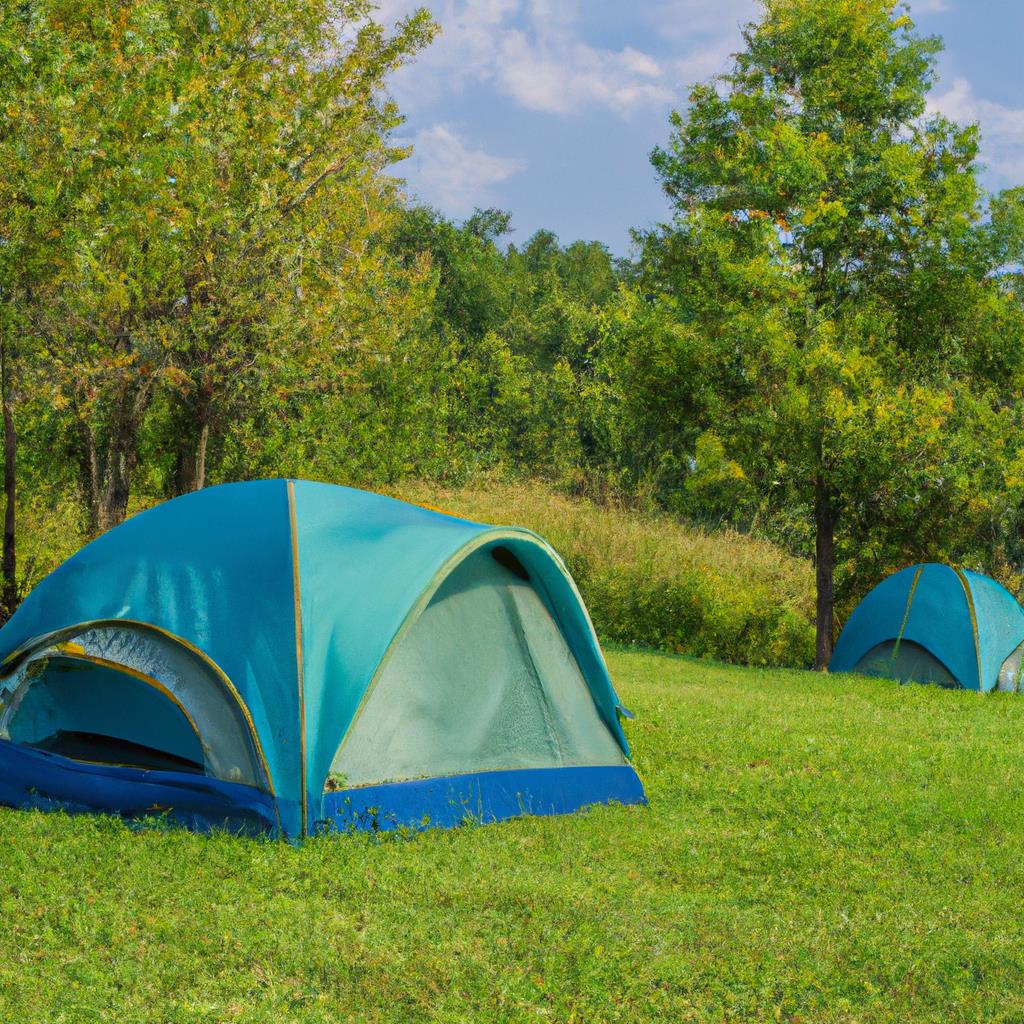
906 615
300 669
974 624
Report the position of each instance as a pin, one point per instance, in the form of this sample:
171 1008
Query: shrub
650 581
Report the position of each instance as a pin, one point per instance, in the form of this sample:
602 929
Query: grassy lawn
816 849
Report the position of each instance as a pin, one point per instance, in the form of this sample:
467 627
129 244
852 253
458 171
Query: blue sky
549 108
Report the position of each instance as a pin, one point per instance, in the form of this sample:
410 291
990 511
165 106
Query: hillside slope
650 581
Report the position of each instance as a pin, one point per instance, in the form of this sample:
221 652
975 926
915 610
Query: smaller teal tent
935 624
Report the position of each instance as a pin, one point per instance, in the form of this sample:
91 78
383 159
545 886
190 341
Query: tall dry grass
648 580
652 581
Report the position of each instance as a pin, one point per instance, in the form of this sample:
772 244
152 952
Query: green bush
650 581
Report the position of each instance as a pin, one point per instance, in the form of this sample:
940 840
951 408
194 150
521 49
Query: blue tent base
36 779
31 778
480 797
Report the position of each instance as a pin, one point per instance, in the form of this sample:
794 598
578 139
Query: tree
471 286
831 277
220 176
30 219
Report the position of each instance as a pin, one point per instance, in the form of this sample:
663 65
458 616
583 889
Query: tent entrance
1011 671
126 695
483 680
101 714
906 661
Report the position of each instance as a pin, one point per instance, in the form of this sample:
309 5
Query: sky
550 108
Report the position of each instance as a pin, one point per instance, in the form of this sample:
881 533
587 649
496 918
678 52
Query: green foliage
536 298
829 323
816 848
443 411
651 581
205 199
472 292
493 374
208 274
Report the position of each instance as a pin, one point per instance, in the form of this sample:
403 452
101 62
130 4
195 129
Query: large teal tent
932 623
291 655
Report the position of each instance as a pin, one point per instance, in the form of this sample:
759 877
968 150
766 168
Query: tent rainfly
935 624
288 656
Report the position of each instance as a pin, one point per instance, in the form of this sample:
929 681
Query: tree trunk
189 462
824 522
190 459
9 558
113 505
89 474
114 485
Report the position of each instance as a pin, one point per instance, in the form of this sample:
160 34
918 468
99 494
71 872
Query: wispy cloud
1002 128
701 20
533 52
455 176
557 75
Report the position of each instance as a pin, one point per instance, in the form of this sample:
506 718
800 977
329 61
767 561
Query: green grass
653 581
816 848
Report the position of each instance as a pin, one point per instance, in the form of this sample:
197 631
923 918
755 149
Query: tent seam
974 624
906 616
299 660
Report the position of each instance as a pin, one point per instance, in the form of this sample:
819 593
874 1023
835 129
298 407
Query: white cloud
1002 128
713 20
453 175
558 75
531 51
701 65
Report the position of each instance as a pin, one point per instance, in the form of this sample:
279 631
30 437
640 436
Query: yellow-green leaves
831 263
201 199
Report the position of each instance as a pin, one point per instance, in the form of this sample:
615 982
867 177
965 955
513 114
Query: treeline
208 272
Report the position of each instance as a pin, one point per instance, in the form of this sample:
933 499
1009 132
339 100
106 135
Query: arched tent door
1011 671
126 694
906 661
483 680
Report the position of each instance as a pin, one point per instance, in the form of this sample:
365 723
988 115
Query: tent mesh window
128 696
483 680
1011 670
906 661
